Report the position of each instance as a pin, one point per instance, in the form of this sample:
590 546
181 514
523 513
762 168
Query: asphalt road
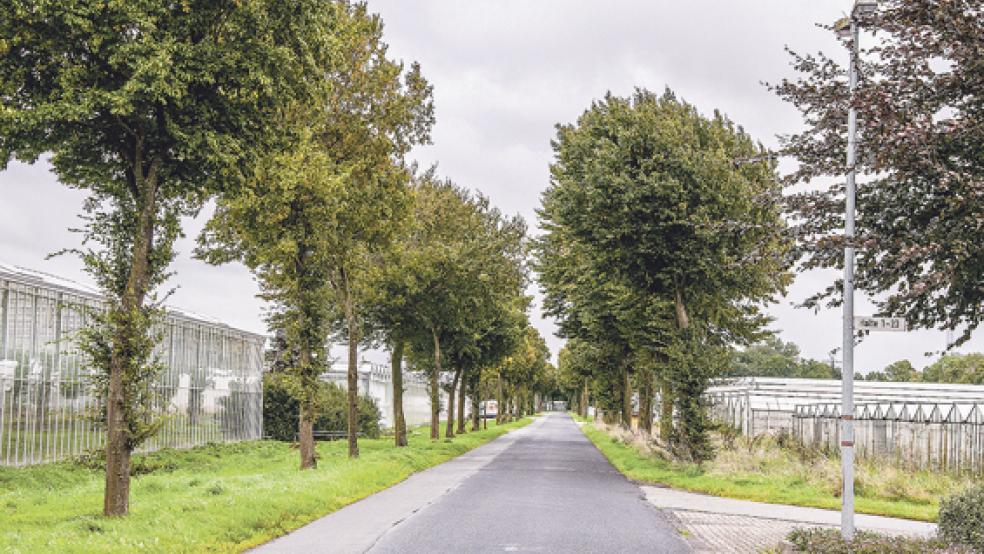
549 491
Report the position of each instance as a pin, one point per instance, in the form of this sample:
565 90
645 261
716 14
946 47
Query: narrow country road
544 488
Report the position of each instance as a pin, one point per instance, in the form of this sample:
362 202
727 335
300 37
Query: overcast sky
504 73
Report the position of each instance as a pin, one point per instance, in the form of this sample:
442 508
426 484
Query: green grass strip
775 479
218 498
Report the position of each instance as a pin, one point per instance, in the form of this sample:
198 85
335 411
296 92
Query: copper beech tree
919 195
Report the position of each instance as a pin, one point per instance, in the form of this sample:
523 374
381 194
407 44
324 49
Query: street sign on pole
890 324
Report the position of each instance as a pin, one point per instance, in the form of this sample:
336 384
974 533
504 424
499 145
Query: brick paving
731 534
713 524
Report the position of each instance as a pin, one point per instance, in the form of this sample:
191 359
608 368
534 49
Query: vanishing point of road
542 488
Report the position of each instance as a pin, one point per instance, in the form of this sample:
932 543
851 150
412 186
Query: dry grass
774 468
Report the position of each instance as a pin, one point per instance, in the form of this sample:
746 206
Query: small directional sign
892 324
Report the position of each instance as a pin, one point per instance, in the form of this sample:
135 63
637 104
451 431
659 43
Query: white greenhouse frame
210 391
921 425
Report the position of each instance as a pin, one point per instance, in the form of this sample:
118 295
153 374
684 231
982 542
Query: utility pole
848 28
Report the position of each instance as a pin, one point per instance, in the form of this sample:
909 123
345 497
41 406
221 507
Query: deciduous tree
919 209
151 107
672 207
315 217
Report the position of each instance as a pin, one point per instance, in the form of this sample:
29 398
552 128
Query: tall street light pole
848 28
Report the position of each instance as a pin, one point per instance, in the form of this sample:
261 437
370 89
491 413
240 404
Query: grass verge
762 470
217 498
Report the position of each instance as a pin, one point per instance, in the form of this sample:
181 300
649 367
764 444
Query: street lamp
847 29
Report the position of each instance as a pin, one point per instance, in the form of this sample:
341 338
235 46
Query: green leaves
660 247
321 206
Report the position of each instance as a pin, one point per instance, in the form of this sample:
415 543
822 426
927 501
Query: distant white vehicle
488 409
8 369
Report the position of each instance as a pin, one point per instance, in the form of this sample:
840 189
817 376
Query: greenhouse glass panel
209 391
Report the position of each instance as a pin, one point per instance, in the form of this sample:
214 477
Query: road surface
544 488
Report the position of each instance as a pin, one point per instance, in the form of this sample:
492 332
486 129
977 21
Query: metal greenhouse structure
923 425
210 391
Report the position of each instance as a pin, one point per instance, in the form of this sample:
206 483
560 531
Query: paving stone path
713 524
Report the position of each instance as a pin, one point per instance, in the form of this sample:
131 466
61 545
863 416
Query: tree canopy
919 214
315 214
151 108
775 358
663 243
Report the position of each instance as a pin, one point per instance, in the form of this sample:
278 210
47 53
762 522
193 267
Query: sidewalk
356 527
714 524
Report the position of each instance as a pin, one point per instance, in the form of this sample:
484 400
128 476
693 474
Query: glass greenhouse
211 390
922 425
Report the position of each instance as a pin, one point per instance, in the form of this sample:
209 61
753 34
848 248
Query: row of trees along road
294 120
449 294
663 240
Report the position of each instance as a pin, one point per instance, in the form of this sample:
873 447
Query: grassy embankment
760 469
217 498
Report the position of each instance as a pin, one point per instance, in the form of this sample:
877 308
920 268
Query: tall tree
901 371
919 209
775 358
151 108
665 201
590 304
956 368
376 111
417 278
458 262
280 226
488 338
311 232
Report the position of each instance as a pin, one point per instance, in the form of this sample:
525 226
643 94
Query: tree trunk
353 378
435 388
499 401
584 400
305 423
665 410
399 420
646 402
474 406
116 498
683 320
449 428
116 501
683 323
306 437
626 398
461 408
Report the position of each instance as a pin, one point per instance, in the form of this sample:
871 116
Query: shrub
829 541
281 410
962 518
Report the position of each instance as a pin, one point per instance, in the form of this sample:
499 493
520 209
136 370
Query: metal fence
919 435
922 425
210 391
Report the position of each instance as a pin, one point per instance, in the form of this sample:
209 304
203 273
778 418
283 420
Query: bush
281 410
829 541
962 518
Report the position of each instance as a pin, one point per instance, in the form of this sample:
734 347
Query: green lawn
761 470
223 498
